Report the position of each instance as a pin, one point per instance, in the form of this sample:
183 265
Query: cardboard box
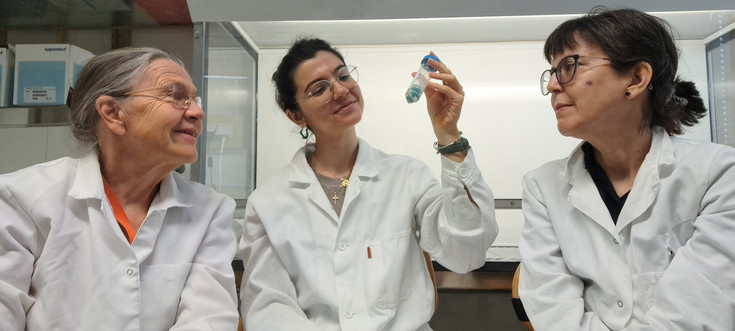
45 72
7 64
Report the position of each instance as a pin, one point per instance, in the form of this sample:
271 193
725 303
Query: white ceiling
277 23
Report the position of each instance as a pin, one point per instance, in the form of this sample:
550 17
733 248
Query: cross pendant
334 199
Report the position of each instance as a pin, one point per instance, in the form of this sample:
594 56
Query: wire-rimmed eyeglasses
564 71
174 93
323 90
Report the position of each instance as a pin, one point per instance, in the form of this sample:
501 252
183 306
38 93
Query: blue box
45 72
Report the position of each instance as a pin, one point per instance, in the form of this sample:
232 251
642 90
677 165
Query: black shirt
604 186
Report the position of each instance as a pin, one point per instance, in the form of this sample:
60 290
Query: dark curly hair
628 37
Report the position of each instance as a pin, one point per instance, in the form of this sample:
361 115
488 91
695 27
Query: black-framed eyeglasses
174 93
322 91
564 71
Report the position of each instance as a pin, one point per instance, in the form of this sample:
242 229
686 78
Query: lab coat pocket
389 270
164 283
650 280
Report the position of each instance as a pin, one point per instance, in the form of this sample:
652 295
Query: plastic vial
418 84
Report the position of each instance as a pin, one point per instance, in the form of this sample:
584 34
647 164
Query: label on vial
413 94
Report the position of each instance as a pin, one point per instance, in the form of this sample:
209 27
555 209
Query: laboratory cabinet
24 146
34 135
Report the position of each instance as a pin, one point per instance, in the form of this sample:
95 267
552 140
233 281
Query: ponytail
683 107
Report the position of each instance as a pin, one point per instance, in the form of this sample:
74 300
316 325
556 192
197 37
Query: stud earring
650 87
627 93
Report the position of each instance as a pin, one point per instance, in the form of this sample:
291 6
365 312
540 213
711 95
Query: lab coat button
616 241
349 315
130 272
343 246
463 172
620 304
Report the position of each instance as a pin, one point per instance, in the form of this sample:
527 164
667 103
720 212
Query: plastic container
418 84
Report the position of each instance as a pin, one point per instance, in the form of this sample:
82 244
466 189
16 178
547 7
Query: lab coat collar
301 172
302 176
661 153
88 185
88 179
169 195
581 184
646 185
366 165
366 168
642 195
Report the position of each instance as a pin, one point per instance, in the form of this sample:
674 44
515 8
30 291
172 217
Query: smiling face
342 112
593 102
156 128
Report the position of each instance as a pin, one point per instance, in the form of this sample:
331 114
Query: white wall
510 125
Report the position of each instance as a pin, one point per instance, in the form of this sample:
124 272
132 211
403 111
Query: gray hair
113 73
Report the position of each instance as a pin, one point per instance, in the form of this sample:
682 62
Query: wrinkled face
588 104
159 128
340 112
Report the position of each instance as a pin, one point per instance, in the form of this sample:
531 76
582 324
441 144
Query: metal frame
709 47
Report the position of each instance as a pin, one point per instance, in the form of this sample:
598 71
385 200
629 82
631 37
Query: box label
39 94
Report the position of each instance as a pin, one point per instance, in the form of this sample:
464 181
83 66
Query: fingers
445 89
439 66
445 75
449 85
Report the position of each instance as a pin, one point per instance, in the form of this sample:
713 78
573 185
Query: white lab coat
66 264
308 269
668 264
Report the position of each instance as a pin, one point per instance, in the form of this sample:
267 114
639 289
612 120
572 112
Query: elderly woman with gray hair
115 240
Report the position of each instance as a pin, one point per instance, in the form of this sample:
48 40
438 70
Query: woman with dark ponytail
635 229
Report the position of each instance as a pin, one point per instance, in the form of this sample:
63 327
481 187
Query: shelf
34 116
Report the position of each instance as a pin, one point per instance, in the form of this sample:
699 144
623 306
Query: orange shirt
119 213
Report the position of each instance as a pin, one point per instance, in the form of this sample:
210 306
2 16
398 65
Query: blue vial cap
425 61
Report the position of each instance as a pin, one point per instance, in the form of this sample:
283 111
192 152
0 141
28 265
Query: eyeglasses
177 93
564 71
323 90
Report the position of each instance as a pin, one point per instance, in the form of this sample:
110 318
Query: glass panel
230 82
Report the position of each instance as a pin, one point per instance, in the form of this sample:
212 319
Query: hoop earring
304 132
627 93
650 87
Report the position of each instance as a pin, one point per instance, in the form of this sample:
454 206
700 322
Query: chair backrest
516 300
430 266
